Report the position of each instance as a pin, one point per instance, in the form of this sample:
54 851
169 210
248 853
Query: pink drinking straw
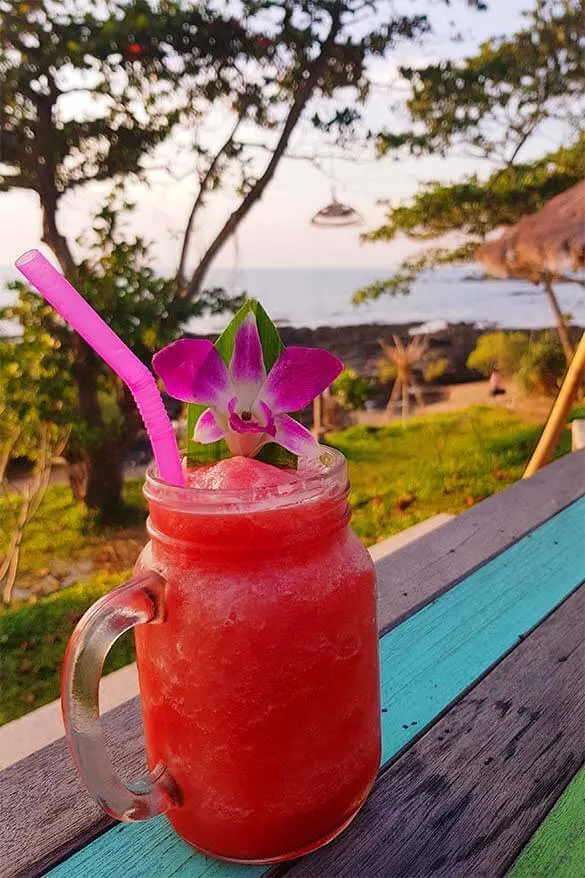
80 315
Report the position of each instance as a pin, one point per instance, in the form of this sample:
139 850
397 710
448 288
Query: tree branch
300 101
46 173
289 156
180 280
85 89
15 181
525 136
560 321
567 279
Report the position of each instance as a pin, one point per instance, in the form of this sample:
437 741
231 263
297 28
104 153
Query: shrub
502 349
435 369
543 365
387 371
352 389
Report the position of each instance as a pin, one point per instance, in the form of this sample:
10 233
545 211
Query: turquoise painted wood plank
557 848
437 653
427 662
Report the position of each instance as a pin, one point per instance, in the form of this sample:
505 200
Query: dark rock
358 345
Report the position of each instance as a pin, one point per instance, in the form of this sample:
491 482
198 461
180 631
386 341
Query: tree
499 350
28 401
140 73
497 105
27 426
492 104
543 367
474 207
352 389
537 361
115 277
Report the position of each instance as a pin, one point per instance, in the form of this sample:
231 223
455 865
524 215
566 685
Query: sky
277 233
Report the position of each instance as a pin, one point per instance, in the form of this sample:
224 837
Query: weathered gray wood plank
427 663
46 810
465 798
422 570
47 813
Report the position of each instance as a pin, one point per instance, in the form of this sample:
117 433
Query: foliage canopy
112 91
501 104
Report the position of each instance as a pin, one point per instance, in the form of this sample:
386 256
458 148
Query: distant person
496 388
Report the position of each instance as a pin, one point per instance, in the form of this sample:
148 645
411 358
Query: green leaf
272 347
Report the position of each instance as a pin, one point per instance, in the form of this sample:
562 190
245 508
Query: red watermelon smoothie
260 689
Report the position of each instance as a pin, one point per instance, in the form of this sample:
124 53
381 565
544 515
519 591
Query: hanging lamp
336 214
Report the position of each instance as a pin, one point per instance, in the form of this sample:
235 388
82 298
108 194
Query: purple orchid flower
247 407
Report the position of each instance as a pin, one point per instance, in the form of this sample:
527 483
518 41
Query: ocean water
322 297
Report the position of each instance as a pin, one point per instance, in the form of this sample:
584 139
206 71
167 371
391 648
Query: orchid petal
250 424
294 437
270 426
247 363
208 429
240 426
192 370
297 377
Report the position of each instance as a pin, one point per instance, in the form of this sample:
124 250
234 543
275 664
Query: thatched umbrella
542 248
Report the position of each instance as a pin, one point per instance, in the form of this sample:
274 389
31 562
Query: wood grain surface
465 798
557 849
47 812
427 662
434 563
46 809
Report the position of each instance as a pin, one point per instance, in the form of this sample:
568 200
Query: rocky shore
358 345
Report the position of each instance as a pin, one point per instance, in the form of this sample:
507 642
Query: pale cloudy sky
277 233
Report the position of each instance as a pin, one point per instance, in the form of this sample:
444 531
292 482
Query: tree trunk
559 320
180 281
47 188
105 479
104 461
77 475
302 97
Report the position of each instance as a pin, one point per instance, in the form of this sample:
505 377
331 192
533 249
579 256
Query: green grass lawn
441 463
33 638
63 529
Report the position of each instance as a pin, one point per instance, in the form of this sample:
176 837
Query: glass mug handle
136 602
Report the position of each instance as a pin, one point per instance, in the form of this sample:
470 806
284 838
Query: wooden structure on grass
404 358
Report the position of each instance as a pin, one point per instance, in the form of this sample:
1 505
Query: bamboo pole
405 402
318 425
393 396
557 418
